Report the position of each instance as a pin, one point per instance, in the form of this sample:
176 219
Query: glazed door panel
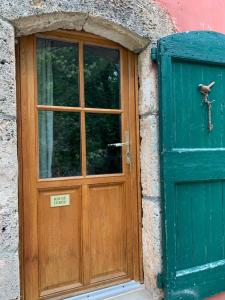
79 158
192 163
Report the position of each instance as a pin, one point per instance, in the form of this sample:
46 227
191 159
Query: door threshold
106 293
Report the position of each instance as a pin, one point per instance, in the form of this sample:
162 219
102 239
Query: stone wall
129 22
133 24
149 131
9 271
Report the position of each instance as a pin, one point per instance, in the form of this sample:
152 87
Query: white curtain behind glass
45 95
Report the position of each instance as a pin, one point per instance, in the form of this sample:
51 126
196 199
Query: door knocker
205 90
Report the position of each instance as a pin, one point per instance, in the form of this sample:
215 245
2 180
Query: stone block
150 179
148 100
151 237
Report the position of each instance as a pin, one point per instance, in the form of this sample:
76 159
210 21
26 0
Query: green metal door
192 130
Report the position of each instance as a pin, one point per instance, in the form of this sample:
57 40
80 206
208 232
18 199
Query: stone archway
131 23
135 26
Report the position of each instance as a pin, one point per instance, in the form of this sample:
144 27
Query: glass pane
102 130
57 73
59 144
101 77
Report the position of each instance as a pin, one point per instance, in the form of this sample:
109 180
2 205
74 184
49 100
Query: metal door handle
127 144
117 145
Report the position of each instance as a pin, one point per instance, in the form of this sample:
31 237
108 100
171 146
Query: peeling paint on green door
192 164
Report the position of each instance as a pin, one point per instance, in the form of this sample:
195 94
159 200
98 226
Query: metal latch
205 90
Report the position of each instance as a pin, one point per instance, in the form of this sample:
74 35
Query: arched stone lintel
81 22
133 24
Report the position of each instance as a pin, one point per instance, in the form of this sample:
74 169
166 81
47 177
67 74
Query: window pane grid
94 156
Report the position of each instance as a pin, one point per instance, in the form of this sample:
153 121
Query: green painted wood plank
192 164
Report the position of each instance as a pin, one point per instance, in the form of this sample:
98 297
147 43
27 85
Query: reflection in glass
59 144
101 77
57 73
102 130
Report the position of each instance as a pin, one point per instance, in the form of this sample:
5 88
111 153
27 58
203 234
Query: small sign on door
59 200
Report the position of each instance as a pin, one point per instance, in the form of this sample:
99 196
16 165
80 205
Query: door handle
127 144
117 145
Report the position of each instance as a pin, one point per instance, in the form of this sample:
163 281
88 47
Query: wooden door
192 163
79 171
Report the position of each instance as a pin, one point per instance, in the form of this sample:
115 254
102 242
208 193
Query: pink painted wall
196 14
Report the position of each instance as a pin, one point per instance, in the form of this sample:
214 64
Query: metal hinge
160 281
154 54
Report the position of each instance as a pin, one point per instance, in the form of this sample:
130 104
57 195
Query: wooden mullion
81 73
79 109
59 108
86 235
83 143
82 105
103 110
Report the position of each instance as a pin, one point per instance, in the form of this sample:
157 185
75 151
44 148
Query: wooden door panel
108 231
94 241
59 228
